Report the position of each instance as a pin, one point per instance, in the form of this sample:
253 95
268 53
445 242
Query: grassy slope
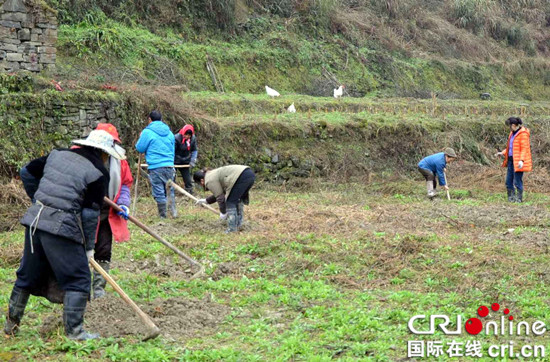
284 55
239 104
336 273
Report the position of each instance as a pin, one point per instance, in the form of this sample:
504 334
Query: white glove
89 254
223 216
200 202
520 164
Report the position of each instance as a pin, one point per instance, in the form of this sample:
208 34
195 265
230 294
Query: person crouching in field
434 165
67 188
517 157
230 186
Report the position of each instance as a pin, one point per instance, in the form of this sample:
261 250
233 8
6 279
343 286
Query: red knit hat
186 128
109 128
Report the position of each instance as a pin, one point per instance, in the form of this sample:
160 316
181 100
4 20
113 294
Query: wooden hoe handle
154 331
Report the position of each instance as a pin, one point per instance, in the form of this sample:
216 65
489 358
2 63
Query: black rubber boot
232 219
98 285
18 302
162 210
511 195
519 196
190 190
74 306
240 214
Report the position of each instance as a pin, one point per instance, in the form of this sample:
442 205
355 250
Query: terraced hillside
340 248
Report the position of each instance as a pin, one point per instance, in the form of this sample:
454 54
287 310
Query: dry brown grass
422 28
13 202
471 175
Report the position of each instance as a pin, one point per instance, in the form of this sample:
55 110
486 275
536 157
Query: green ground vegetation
334 273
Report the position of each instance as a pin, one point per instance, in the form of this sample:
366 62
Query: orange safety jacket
521 151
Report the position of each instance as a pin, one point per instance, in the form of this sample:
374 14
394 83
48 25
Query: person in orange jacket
517 157
112 224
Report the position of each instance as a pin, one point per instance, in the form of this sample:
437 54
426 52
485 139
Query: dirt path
178 318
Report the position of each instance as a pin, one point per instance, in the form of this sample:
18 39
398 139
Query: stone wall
77 119
28 33
33 123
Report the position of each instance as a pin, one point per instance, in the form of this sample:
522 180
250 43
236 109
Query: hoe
191 261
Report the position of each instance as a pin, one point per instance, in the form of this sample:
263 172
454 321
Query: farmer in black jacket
186 154
67 188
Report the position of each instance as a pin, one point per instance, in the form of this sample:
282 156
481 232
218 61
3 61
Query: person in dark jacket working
230 186
433 166
67 187
186 154
157 142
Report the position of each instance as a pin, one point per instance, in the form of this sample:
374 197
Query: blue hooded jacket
157 142
435 163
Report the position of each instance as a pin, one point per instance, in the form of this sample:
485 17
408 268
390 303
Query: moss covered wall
31 124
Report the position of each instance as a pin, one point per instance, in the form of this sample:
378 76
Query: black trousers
429 176
104 240
52 254
186 175
240 189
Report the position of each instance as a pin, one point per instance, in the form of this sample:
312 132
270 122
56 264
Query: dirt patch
171 267
440 215
51 324
169 228
226 269
178 318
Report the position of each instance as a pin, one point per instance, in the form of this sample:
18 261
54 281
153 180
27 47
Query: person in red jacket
186 153
112 223
517 158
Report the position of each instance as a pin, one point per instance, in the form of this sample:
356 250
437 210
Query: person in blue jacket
434 165
157 142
